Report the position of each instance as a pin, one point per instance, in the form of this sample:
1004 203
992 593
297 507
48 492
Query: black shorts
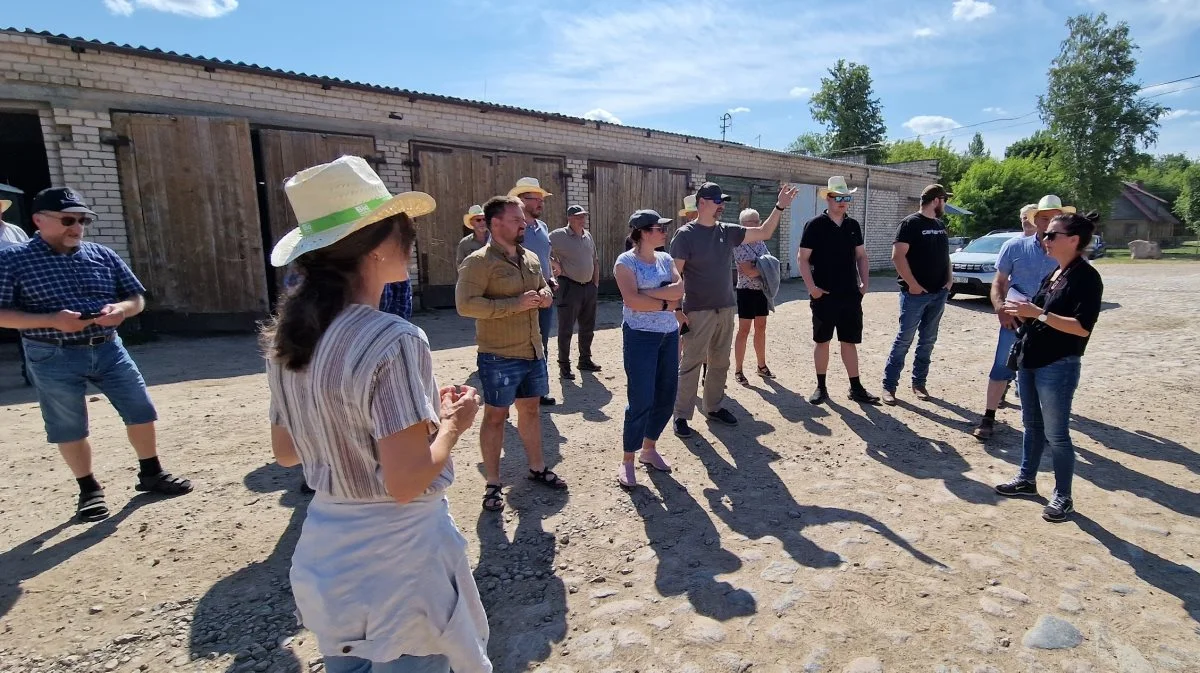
751 303
842 312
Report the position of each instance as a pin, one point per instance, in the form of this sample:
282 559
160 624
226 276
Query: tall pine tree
852 116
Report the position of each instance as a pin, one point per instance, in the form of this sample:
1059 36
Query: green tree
1187 207
1040 145
1093 109
995 191
951 164
812 144
976 149
852 116
1163 176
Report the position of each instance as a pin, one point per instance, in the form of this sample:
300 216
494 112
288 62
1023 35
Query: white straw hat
836 186
1052 202
528 186
689 205
473 212
333 200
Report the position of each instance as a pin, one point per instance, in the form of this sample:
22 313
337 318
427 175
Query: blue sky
675 65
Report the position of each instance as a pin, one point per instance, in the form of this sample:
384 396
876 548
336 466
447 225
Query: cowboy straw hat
836 186
1052 202
5 204
528 185
333 200
689 205
475 211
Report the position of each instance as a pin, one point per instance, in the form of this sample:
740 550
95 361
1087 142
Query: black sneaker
1017 486
819 395
681 428
1058 509
564 372
985 429
861 396
722 416
588 366
547 401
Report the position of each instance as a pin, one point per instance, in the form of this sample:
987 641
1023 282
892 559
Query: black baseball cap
647 218
60 200
712 192
576 210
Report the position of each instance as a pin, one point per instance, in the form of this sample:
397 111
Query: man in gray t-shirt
703 253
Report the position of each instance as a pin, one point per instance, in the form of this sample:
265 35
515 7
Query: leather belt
91 341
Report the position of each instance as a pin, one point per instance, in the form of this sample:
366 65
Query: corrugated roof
79 43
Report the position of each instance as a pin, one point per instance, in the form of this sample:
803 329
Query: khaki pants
710 334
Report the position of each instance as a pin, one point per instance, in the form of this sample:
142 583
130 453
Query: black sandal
164 483
765 372
492 499
741 378
547 478
92 507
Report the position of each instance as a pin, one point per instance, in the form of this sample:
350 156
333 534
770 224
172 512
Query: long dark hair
328 279
1082 226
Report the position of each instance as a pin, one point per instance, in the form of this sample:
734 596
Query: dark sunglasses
660 228
1051 235
843 199
71 220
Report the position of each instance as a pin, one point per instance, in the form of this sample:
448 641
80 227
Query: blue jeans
1004 344
61 375
919 314
652 372
504 380
434 663
1046 394
546 318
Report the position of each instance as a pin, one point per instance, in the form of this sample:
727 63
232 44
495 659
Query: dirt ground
837 538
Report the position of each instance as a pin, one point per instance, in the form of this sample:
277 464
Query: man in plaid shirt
67 297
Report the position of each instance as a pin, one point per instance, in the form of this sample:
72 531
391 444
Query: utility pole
758 139
726 123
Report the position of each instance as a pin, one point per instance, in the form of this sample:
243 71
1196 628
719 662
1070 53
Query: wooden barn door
188 189
620 189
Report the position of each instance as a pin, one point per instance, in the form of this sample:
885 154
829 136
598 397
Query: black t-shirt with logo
928 251
834 268
1076 293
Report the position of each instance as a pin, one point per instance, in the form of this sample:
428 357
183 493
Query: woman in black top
1054 332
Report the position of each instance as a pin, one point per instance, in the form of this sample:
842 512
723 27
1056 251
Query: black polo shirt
834 268
1076 294
928 251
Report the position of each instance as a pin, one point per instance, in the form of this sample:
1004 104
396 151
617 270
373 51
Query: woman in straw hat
380 573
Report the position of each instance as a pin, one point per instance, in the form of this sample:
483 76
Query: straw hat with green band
475 211
334 200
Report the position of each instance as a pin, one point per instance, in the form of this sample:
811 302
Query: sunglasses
843 199
71 220
659 228
1051 235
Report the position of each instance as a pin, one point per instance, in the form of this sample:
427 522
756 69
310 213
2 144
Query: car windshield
989 244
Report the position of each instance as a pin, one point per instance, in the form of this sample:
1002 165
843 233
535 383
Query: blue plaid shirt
36 279
396 299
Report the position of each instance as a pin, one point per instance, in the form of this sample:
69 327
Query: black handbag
1014 353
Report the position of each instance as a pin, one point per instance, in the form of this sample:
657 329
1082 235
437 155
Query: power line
860 148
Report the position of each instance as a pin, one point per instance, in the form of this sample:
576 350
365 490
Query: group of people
354 400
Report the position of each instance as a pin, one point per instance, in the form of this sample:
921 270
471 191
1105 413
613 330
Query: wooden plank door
759 194
458 178
283 154
188 189
617 190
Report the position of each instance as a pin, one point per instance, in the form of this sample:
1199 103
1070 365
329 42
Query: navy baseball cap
712 192
60 200
647 218
576 210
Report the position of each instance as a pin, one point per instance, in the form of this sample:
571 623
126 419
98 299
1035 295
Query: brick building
183 158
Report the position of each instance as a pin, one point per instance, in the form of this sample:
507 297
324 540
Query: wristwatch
1042 317
778 208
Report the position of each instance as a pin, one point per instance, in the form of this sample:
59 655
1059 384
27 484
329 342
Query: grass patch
1188 252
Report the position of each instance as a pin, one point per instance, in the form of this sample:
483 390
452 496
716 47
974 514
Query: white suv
974 267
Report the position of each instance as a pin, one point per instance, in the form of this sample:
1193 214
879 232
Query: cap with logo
60 200
711 191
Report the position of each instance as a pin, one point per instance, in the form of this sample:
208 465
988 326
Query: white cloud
738 110
971 10
602 116
1180 113
199 9
927 124
924 32
800 92
999 111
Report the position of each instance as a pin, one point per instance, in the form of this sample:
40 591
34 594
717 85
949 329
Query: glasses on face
1051 235
843 199
657 228
475 221
72 220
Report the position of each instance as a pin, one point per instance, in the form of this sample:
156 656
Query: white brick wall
155 85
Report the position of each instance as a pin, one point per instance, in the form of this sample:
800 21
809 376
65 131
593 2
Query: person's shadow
753 500
29 559
689 567
587 395
892 443
258 594
1139 443
1176 579
793 407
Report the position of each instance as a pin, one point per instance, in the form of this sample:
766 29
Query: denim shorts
61 375
1004 344
505 380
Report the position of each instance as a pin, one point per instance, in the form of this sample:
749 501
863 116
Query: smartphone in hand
89 315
